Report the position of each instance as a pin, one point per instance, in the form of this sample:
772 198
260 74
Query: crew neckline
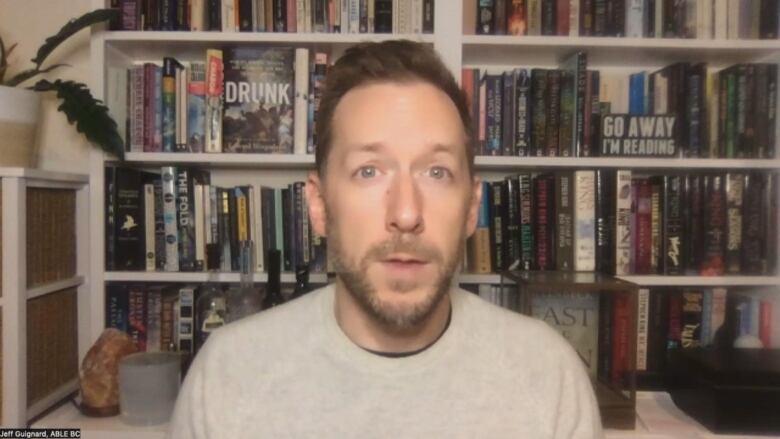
343 349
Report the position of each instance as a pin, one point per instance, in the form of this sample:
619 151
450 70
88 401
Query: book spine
148 99
656 260
199 219
111 218
692 213
493 114
553 110
117 307
130 14
525 191
642 252
549 16
169 105
496 230
186 311
508 109
735 188
233 256
585 220
692 304
153 313
715 226
534 17
566 127
606 317
485 17
181 109
673 227
523 119
539 113
301 100
620 335
513 222
562 10
159 225
169 217
752 234
149 227
564 212
605 220
642 315
129 224
136 131
185 220
544 226
635 18
622 223
214 86
196 108
428 11
137 318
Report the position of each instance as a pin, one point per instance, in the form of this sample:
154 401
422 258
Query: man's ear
474 203
315 197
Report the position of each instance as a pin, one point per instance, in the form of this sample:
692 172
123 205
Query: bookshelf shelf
116 37
703 280
224 160
43 290
508 163
603 51
154 276
483 163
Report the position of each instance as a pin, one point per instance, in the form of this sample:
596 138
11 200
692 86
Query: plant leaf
70 28
27 74
89 115
3 60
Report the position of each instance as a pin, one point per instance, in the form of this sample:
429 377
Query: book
259 95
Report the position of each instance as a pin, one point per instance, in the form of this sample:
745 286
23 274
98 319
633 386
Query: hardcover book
259 100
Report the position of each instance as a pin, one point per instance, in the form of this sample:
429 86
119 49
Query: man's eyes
435 172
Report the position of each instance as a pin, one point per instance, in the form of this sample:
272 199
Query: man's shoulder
276 326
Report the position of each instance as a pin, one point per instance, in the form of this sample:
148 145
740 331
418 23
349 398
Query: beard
354 275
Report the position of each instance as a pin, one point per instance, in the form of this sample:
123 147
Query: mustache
400 244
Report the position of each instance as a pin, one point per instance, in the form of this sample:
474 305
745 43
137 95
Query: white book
197 15
229 16
214 75
169 217
354 16
660 93
720 19
642 316
151 259
584 220
300 15
256 201
574 18
199 211
371 16
344 18
300 124
704 20
623 223
534 17
116 98
635 14
659 19
417 16
732 23
405 17
396 11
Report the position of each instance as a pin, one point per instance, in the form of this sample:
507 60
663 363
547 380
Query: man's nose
404 205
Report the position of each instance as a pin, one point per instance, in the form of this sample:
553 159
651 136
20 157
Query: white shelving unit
16 293
458 50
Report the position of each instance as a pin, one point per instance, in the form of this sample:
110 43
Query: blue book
636 95
117 307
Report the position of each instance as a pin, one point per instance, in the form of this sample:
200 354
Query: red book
765 323
137 316
620 333
644 228
563 17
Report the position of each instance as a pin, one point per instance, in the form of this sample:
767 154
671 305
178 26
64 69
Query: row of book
242 99
702 317
599 324
166 221
730 113
703 19
619 222
334 16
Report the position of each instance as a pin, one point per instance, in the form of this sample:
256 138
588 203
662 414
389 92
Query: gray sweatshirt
292 372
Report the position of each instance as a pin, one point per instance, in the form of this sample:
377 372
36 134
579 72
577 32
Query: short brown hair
388 61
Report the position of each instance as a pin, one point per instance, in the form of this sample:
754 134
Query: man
392 349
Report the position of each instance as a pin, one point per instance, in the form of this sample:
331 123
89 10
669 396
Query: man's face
397 200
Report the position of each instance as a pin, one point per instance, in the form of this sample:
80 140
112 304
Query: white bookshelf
16 292
458 50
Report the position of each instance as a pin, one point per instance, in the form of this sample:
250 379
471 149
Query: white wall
29 23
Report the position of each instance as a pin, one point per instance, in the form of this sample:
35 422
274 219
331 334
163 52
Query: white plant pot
19 113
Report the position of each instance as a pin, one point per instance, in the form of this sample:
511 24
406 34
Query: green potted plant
20 105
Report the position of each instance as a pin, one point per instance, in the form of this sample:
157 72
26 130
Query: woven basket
51 235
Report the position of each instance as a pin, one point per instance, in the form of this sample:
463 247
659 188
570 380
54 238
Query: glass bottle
273 290
301 281
246 299
211 304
